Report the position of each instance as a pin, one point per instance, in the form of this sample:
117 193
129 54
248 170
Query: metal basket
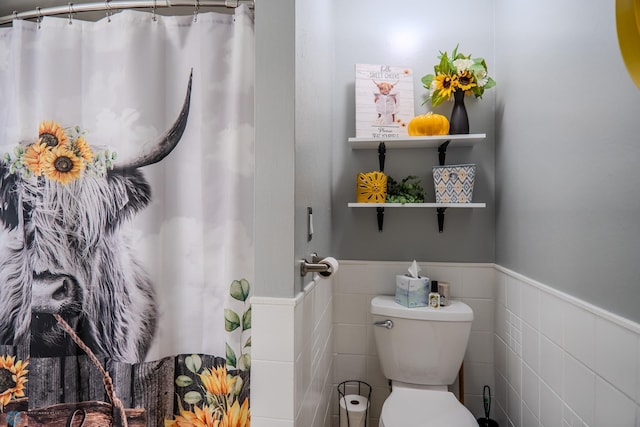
350 387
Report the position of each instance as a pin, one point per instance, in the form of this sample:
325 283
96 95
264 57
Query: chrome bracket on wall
315 266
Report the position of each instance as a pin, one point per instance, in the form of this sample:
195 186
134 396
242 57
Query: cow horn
161 148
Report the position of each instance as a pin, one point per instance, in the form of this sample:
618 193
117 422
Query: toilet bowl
421 350
407 407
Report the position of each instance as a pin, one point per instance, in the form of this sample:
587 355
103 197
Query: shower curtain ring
195 12
107 6
39 18
153 16
70 13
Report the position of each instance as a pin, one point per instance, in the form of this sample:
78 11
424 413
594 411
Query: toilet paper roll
333 266
353 410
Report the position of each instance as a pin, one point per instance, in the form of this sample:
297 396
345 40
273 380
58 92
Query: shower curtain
126 220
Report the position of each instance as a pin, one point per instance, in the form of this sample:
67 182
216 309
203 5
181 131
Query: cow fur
74 234
74 230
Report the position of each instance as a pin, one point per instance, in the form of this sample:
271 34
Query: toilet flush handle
384 323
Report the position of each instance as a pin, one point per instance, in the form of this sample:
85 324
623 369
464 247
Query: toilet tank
425 346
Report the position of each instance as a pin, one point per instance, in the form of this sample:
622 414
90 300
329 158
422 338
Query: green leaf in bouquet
454 52
475 67
436 99
427 80
444 67
490 83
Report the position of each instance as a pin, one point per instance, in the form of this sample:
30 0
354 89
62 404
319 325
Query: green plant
409 190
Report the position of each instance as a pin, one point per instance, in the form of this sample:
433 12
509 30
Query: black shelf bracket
382 151
442 152
380 211
442 156
440 219
382 154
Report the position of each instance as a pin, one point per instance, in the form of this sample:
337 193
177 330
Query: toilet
421 350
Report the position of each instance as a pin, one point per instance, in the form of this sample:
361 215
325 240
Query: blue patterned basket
454 184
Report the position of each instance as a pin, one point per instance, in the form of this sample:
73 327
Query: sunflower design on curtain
13 379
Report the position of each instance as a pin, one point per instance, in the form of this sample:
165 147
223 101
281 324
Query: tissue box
411 291
454 184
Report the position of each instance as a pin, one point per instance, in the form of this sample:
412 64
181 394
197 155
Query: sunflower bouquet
457 72
60 155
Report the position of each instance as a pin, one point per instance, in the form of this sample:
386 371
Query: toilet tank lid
455 311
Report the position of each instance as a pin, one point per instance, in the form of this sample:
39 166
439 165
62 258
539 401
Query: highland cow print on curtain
126 220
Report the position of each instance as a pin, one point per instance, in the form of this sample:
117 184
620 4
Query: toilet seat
424 408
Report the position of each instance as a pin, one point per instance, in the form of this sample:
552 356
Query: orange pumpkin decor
428 124
371 187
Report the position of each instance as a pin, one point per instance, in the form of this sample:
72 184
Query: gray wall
313 129
274 141
411 34
294 51
567 152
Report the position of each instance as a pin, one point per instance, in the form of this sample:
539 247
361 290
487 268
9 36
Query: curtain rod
119 5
